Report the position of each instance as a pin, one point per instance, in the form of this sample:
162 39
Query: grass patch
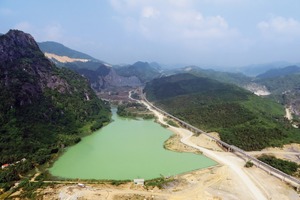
171 122
285 166
158 182
249 164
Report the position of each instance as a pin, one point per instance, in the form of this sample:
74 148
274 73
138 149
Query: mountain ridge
62 50
277 72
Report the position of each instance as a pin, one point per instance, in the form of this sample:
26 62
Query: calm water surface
126 149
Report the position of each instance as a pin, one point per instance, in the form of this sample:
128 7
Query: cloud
150 12
193 25
280 28
124 5
171 20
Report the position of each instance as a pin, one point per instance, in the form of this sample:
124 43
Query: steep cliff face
42 106
106 78
24 72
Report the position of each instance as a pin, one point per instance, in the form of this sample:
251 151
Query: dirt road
186 135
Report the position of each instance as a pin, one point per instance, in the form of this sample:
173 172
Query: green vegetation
142 70
242 119
278 85
284 89
135 96
249 164
226 77
43 108
287 167
134 110
119 182
171 122
279 72
158 182
29 189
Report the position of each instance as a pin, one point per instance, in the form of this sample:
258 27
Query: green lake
126 149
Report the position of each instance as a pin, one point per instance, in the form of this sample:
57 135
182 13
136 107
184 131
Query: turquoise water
126 149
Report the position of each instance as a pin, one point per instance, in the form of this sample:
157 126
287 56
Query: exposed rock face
259 90
292 101
101 75
106 78
24 68
114 79
16 39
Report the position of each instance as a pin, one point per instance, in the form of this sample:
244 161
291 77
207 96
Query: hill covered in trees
284 85
279 72
43 108
242 118
143 70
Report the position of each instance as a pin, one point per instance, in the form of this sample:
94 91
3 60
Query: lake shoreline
130 147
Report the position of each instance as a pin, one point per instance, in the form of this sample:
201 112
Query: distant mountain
155 65
254 70
43 108
285 89
143 70
284 86
238 79
100 74
242 118
226 77
61 50
272 73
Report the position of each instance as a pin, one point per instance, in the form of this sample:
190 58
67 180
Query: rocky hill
100 74
43 108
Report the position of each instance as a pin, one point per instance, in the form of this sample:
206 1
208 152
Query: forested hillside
242 118
143 70
279 72
226 77
284 85
43 108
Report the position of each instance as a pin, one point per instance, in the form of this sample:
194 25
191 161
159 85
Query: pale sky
191 32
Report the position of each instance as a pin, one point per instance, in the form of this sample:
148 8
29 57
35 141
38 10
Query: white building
139 181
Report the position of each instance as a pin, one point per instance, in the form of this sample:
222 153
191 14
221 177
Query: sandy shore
229 180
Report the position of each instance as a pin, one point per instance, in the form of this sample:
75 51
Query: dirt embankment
290 152
64 59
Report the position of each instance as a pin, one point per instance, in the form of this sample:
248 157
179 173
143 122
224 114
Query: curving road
256 192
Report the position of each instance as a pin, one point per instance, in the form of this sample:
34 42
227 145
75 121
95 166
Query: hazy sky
200 32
